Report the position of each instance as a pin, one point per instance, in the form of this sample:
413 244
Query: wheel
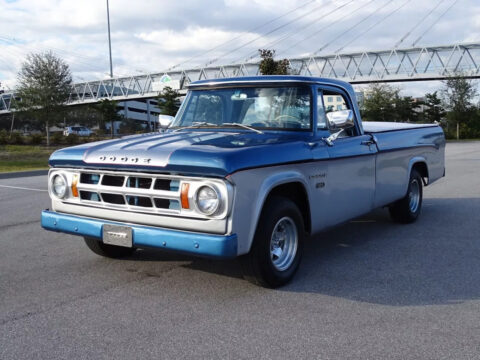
277 245
110 251
408 209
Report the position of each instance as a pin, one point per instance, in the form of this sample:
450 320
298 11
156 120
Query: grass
24 157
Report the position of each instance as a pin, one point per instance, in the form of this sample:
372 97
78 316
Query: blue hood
189 152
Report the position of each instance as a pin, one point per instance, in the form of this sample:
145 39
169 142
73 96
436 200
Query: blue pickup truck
251 167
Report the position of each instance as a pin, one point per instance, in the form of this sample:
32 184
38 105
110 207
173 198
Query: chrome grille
157 194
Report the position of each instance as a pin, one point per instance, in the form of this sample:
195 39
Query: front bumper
221 246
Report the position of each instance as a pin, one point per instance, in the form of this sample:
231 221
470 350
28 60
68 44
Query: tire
273 261
106 250
407 210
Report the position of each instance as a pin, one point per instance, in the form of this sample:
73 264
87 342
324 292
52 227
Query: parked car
77 130
251 167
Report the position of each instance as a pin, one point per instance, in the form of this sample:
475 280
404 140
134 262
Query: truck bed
377 126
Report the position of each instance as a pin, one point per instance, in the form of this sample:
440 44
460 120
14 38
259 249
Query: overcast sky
153 35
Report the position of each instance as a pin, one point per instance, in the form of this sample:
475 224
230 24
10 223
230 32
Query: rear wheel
277 246
408 209
111 251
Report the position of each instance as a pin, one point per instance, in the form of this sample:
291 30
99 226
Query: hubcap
414 195
283 244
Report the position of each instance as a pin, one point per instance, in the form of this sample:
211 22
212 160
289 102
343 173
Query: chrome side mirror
340 120
164 122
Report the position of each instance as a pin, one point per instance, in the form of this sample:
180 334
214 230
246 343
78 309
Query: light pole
109 41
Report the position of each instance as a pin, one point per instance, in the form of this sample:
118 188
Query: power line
433 24
372 26
326 26
417 24
239 36
275 42
261 36
351 27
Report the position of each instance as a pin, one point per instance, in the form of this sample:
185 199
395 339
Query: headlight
59 186
207 200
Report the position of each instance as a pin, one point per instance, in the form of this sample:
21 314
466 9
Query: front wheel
106 250
277 246
408 209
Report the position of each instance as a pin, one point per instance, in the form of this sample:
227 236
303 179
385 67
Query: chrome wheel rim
414 195
283 244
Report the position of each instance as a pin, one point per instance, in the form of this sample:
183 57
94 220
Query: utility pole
109 41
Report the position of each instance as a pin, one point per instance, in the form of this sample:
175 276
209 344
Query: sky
154 35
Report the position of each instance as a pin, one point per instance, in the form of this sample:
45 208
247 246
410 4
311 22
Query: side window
322 120
335 102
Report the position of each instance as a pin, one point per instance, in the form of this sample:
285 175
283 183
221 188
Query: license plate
117 235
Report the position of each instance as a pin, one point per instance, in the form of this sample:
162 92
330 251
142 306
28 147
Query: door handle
368 142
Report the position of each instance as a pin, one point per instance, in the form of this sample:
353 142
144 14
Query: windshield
281 108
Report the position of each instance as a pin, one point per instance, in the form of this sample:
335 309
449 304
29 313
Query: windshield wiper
242 126
195 125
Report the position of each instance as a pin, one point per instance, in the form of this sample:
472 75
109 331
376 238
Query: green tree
434 111
459 94
44 83
108 110
406 109
270 66
379 103
168 101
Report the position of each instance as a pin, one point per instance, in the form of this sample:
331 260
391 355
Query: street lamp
109 41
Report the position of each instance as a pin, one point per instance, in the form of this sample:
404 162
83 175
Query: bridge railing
394 65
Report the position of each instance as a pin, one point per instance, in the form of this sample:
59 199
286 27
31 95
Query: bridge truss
395 65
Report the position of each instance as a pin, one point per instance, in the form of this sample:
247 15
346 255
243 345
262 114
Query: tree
434 111
168 101
379 103
406 109
269 66
44 86
458 94
108 110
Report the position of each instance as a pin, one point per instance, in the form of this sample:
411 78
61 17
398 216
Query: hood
194 152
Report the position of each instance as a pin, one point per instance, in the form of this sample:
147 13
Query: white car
77 130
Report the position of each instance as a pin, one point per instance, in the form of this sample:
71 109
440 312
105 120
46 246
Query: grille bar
157 194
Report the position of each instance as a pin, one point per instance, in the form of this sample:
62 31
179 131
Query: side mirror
340 120
164 121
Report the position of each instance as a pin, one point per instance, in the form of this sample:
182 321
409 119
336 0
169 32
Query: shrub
57 138
15 139
36 139
72 139
3 137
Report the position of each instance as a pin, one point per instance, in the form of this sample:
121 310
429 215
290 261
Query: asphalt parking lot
369 289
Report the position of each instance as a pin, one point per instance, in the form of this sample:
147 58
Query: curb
18 174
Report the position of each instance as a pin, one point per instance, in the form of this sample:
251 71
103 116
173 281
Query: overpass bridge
394 65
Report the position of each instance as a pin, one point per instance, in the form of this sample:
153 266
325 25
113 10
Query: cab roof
277 79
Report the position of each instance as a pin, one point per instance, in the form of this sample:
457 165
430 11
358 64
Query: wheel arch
292 186
419 163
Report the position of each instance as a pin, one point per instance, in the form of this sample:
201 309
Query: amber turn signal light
74 186
184 196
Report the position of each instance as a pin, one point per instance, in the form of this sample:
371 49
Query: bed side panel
398 151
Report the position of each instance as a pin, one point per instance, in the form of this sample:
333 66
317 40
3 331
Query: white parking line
21 188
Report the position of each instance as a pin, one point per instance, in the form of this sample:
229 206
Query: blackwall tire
277 247
106 250
407 210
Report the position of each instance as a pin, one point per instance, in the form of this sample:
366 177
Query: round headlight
207 200
59 186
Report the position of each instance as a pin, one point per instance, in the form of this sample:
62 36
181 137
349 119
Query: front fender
252 190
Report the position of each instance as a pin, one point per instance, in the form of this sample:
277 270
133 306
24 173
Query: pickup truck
251 167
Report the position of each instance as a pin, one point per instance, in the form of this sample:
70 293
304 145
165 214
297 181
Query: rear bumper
221 246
